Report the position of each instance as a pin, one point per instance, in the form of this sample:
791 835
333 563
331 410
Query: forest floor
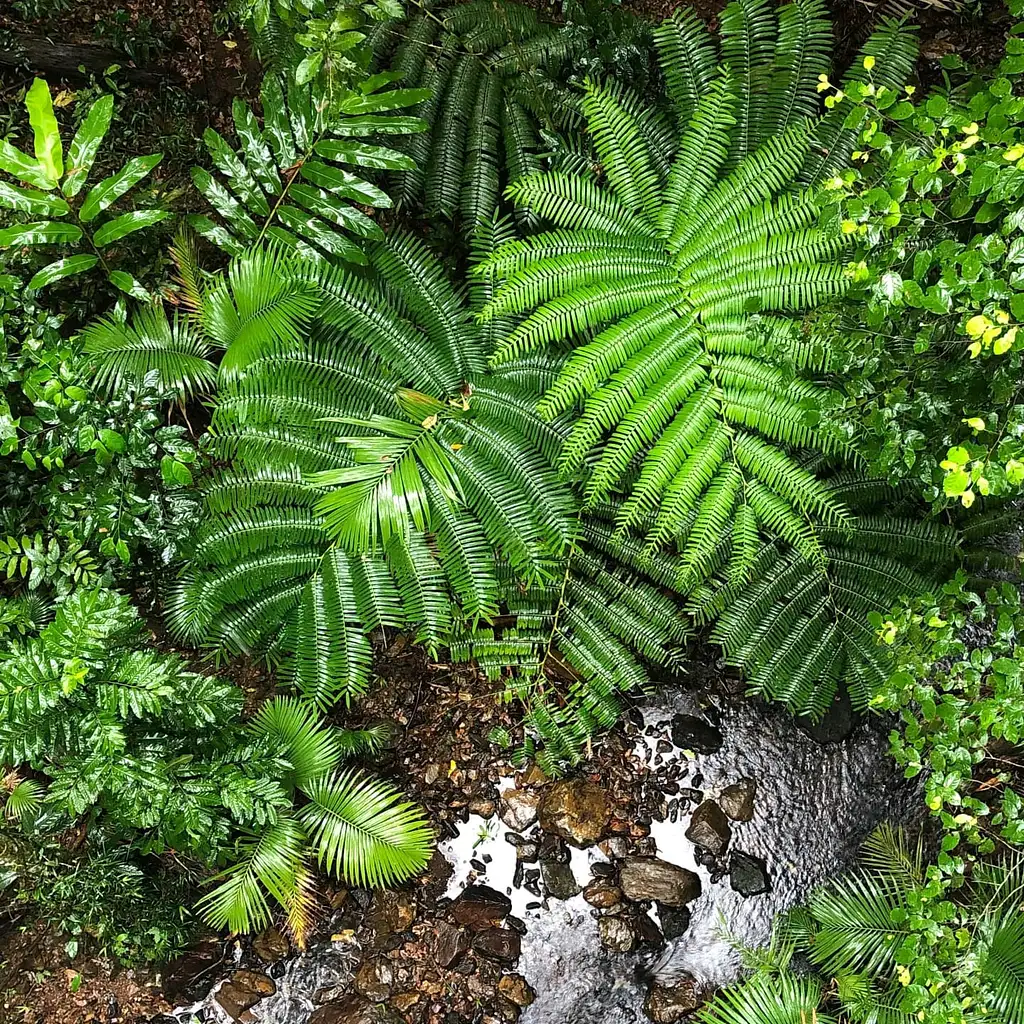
441 752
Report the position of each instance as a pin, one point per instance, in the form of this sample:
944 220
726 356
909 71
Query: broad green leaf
244 184
315 231
371 124
345 184
40 233
49 151
276 129
109 190
378 81
308 67
216 233
22 166
66 267
128 223
86 143
225 204
38 204
123 280
364 155
332 209
384 101
257 154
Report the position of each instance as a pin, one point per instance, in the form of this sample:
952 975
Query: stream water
814 805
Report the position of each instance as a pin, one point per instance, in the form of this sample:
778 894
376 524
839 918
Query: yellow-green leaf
49 151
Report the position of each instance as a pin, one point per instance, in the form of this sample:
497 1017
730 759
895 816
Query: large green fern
654 275
497 75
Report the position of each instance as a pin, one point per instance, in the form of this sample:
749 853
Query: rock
391 913
449 944
516 989
667 1005
559 881
748 875
404 1000
527 852
697 734
602 894
374 980
501 944
518 808
618 934
235 999
674 920
254 981
616 848
709 828
649 878
353 1009
533 776
837 724
433 773
480 906
270 946
576 810
482 806
737 800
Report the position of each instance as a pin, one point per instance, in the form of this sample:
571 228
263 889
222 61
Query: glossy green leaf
384 101
127 224
371 124
86 143
40 233
363 155
334 210
66 267
22 166
38 204
344 184
314 230
49 151
111 189
123 280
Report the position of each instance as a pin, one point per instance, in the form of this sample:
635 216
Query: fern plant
497 76
288 182
154 754
654 275
373 472
55 189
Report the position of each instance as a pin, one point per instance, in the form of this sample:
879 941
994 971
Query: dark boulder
748 875
648 878
737 800
480 906
696 734
709 828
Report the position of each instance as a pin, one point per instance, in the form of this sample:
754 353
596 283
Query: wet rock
449 944
270 946
433 773
243 990
709 828
404 1000
668 1005
374 980
649 878
737 800
482 806
559 881
527 852
518 808
748 875
353 1009
480 906
576 810
533 776
697 734
674 920
835 726
390 913
619 934
516 989
617 847
602 894
501 944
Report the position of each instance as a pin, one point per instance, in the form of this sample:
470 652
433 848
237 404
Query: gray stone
709 828
748 875
559 881
737 800
674 920
518 808
649 878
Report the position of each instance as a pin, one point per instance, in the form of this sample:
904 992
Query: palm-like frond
767 999
294 728
126 351
363 831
